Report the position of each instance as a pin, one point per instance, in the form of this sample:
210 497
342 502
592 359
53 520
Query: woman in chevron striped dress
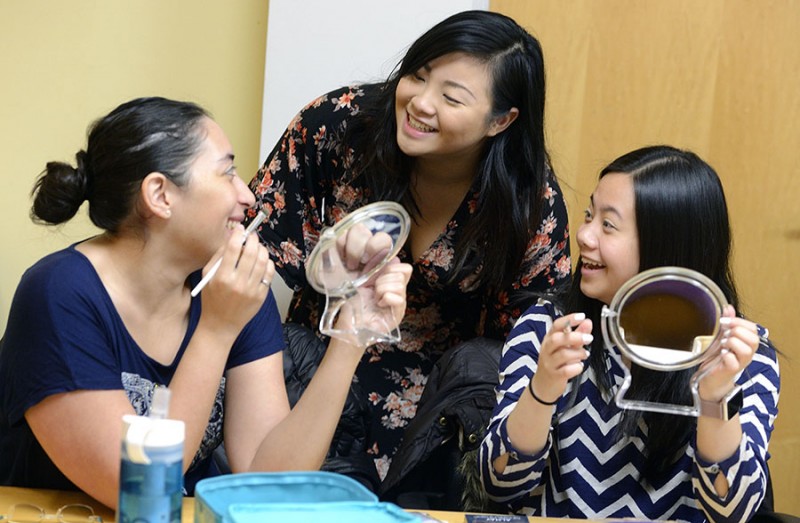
558 445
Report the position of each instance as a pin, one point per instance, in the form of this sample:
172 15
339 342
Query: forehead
214 143
464 69
615 190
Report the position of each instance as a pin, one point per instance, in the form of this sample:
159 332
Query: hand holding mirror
344 262
668 319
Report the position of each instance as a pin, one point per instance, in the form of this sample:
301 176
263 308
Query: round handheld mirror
664 319
341 280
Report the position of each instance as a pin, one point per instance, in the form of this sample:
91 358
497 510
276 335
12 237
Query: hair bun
60 190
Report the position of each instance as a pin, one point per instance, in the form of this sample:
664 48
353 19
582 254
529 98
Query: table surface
52 500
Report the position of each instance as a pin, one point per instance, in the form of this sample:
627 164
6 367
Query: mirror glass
351 312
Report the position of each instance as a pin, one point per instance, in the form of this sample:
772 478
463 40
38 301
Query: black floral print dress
306 183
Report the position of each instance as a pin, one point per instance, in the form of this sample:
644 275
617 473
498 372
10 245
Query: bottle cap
140 433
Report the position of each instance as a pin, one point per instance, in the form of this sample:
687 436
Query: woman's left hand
390 288
738 346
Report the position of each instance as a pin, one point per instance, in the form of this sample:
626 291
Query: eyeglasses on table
28 513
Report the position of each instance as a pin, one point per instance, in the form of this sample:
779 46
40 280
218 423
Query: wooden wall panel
720 77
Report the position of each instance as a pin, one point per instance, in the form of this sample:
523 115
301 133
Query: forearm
195 384
308 429
528 424
718 440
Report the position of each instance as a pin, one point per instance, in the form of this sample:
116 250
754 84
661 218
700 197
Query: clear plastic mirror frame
665 319
344 288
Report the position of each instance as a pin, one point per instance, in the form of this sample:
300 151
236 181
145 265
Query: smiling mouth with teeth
591 265
419 126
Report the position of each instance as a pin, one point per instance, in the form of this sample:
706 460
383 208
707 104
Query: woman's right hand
238 289
561 355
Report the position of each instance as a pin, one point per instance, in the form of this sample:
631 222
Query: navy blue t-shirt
64 334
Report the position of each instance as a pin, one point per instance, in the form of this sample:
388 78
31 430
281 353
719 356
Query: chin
589 293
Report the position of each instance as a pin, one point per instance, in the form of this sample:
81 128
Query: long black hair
682 220
512 173
137 138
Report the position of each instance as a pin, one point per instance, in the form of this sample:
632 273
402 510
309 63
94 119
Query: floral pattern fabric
307 183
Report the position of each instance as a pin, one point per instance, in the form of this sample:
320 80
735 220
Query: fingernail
725 321
588 353
579 316
587 339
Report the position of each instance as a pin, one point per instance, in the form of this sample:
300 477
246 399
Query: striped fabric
587 471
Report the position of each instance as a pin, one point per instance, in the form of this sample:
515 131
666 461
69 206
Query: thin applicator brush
214 268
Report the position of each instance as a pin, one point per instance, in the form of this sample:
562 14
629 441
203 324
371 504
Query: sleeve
261 337
58 338
745 470
296 179
546 264
523 472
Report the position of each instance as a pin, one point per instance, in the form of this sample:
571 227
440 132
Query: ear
156 195
502 122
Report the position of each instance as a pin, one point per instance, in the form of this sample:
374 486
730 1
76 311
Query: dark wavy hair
137 138
682 220
512 173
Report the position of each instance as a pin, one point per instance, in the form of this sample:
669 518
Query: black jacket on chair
436 465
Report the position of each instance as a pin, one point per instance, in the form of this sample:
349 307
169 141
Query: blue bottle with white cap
151 470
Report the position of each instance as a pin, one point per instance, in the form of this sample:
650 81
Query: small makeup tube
214 268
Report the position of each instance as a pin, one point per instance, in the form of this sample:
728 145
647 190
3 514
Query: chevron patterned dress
587 470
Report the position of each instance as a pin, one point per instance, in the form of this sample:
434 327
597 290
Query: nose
245 195
586 236
422 102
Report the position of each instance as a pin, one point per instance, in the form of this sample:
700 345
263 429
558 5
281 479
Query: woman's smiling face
609 238
215 198
444 109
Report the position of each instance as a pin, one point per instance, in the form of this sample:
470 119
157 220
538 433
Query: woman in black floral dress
456 135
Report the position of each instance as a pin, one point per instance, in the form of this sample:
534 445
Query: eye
418 77
587 216
231 171
608 225
452 100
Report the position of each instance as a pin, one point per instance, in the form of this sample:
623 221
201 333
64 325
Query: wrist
214 332
715 394
724 408
343 351
538 399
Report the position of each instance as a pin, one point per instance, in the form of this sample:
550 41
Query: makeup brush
214 268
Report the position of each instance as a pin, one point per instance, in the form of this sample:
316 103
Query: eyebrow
607 208
228 157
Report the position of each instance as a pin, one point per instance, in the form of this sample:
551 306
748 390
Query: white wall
314 46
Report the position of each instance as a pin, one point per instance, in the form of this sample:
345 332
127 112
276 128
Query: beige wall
721 77
63 64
